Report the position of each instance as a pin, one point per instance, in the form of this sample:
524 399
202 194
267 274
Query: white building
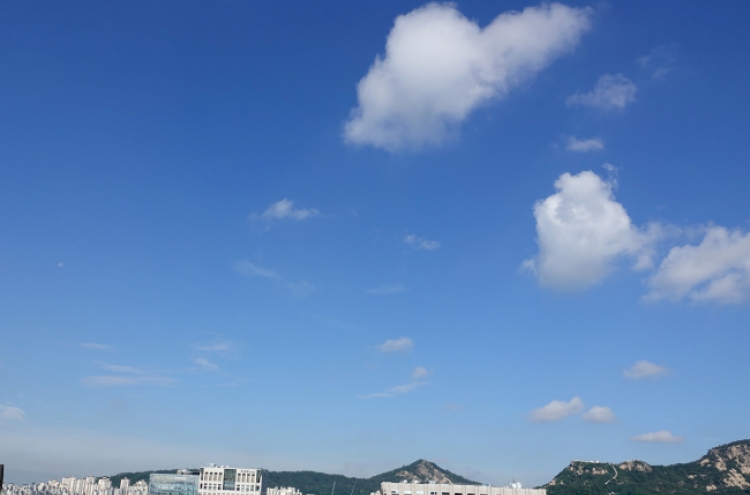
451 489
283 490
223 480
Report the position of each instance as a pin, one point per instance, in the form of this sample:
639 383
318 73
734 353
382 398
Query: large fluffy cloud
439 66
718 269
582 231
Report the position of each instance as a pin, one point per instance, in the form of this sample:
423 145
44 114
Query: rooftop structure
417 488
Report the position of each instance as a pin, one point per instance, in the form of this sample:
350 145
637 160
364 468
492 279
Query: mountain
724 470
312 482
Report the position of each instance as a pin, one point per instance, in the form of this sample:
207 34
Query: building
223 480
451 489
283 490
182 483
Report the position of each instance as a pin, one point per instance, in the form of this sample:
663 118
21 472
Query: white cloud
127 375
660 60
297 288
662 436
419 373
716 270
439 66
60 264
582 231
206 364
285 209
645 369
402 344
394 391
420 243
93 346
612 92
387 289
599 414
575 144
11 412
557 410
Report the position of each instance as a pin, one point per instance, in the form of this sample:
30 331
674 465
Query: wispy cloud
582 145
12 413
557 410
660 61
206 364
419 373
297 288
127 375
402 344
612 92
284 209
421 243
387 289
663 436
645 369
394 391
599 414
93 346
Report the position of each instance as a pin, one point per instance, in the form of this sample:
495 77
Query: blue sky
345 236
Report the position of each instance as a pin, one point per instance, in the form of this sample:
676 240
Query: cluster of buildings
224 480
78 486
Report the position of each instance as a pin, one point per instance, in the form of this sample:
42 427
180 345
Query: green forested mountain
724 470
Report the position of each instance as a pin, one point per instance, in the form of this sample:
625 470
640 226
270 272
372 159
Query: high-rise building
223 480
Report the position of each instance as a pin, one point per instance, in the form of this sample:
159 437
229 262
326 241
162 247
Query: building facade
451 489
223 480
182 483
283 490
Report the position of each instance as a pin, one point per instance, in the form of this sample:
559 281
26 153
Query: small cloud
298 288
127 375
663 436
205 364
402 344
660 61
575 144
12 412
419 373
645 369
285 209
599 414
612 92
93 346
60 265
394 391
420 243
557 410
386 289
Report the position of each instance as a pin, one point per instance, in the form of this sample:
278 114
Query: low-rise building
417 488
224 480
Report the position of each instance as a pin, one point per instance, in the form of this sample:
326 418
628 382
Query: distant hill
724 470
312 482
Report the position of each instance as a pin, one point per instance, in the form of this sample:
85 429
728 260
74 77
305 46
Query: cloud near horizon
12 413
582 231
663 436
612 92
439 66
557 410
645 369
